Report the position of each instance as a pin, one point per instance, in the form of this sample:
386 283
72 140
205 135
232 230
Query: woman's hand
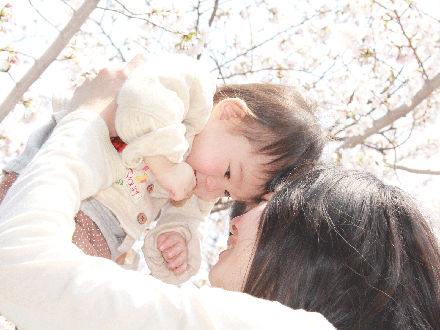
99 94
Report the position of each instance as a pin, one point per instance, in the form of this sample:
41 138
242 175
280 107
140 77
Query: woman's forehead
240 208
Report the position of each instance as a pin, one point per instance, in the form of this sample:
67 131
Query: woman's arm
12 170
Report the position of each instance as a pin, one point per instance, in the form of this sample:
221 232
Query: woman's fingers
99 94
138 60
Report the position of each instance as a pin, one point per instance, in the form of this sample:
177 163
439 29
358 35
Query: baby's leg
88 237
6 182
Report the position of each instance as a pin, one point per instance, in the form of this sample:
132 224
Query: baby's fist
174 251
179 180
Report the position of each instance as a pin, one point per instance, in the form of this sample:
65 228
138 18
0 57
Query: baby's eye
228 173
227 194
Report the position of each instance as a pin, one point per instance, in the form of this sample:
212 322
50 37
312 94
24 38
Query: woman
46 282
344 244
340 243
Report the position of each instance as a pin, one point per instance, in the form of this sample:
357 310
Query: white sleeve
33 144
187 218
161 106
47 283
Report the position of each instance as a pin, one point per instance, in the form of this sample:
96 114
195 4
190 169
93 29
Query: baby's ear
230 108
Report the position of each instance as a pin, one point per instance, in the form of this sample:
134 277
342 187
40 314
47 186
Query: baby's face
224 164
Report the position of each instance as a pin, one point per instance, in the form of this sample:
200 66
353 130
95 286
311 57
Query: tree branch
42 16
393 115
251 49
40 65
110 39
214 12
416 171
134 16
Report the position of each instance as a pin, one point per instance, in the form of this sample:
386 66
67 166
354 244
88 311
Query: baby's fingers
161 239
183 193
170 241
181 269
189 189
179 264
176 195
173 252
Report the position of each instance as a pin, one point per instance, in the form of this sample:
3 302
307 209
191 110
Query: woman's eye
228 173
227 194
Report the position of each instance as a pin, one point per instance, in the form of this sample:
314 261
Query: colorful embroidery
131 185
142 178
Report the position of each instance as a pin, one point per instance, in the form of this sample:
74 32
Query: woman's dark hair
280 123
344 244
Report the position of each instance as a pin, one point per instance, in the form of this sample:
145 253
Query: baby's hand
180 181
174 251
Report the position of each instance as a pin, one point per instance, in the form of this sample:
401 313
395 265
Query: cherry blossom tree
372 66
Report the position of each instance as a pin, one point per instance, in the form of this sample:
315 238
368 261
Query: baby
161 108
185 141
